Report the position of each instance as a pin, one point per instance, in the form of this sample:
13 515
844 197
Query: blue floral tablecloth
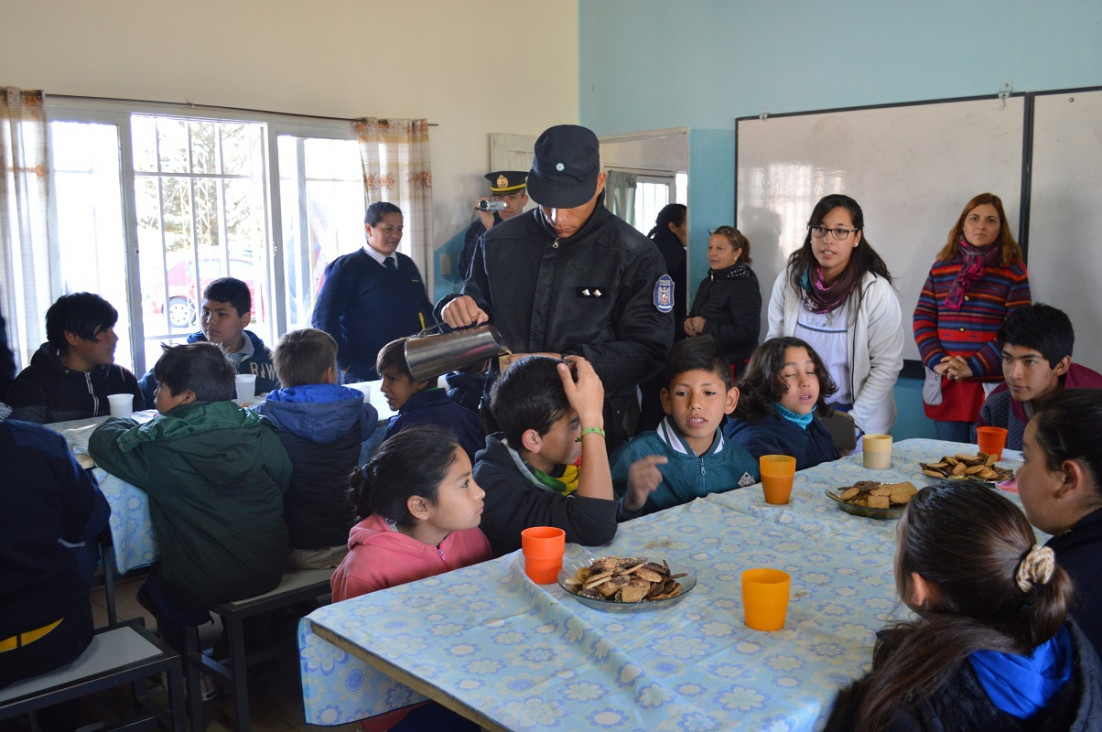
531 657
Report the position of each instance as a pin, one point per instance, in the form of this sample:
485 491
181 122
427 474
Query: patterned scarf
823 298
971 269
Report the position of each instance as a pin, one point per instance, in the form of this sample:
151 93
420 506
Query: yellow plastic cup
543 548
765 598
777 474
991 440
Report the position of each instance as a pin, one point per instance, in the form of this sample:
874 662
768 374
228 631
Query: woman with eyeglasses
837 295
728 301
977 279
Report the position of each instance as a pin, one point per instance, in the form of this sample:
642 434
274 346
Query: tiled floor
276 706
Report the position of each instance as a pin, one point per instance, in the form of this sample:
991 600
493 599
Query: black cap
506 181
565 167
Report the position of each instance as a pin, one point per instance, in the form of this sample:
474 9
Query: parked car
183 295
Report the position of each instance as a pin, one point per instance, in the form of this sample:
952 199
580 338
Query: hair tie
1035 568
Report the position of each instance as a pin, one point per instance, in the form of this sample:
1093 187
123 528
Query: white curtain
620 194
395 158
24 202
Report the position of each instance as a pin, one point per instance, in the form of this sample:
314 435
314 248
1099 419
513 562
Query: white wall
341 58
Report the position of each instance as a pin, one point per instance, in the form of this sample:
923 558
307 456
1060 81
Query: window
150 203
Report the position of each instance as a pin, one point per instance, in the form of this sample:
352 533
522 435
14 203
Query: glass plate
866 511
688 582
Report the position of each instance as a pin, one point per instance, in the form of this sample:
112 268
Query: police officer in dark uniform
569 277
507 188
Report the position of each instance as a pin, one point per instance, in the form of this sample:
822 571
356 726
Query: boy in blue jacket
321 425
687 456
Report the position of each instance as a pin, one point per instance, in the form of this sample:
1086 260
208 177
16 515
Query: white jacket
874 341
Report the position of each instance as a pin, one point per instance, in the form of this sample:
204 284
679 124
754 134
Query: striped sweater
969 332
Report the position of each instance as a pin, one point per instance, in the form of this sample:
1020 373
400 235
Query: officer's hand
587 394
644 477
463 311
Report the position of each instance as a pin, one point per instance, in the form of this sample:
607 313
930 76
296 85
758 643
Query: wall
341 58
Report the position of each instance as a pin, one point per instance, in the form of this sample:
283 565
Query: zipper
703 473
92 393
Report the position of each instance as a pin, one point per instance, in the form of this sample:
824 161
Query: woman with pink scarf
976 280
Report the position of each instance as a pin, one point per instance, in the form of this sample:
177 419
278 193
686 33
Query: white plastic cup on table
246 387
122 405
877 452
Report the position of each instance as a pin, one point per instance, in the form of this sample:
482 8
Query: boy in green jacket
215 475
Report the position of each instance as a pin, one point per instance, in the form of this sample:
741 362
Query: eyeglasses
838 232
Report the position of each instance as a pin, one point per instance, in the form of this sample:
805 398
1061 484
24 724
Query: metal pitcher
430 354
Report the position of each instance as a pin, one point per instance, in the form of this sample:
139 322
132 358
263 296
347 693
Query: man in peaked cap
507 187
569 277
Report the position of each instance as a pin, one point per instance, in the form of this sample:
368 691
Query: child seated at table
420 511
321 425
687 456
74 371
548 420
215 475
992 647
227 311
422 402
784 391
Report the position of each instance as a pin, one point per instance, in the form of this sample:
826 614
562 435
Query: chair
122 654
296 587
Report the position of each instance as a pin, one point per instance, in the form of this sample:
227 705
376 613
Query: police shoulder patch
663 294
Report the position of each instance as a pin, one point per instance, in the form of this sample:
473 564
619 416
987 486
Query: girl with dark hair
1060 485
977 279
992 647
419 509
837 295
728 301
781 397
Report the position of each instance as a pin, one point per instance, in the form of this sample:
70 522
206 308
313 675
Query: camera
491 206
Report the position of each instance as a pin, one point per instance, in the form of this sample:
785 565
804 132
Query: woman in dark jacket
728 301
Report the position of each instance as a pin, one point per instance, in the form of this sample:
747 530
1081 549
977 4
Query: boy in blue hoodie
687 456
321 425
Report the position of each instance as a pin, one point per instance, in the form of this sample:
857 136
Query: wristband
590 430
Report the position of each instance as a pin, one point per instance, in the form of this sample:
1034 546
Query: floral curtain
620 194
395 158
24 199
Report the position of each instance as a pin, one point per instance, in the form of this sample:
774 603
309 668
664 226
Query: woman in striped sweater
976 280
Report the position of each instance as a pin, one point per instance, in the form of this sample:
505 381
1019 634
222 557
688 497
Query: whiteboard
911 168
1065 224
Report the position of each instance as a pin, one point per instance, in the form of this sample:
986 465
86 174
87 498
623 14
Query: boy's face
802 380
86 353
1028 374
696 401
166 401
559 445
221 323
398 388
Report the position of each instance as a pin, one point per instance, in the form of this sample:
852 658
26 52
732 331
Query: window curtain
394 154
620 194
24 202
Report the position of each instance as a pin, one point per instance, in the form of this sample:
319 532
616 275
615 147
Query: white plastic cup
122 405
877 451
246 387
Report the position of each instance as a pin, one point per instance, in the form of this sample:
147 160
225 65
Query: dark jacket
729 300
47 391
44 496
215 475
591 294
778 436
962 704
7 361
674 255
322 427
432 406
514 501
465 389
364 306
260 364
470 243
1079 552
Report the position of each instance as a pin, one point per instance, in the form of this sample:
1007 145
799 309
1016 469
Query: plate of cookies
625 584
980 466
872 499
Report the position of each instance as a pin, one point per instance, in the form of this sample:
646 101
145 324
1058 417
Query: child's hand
644 477
587 394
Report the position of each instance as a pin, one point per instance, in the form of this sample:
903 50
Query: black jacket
591 294
1079 552
778 436
674 255
729 300
47 391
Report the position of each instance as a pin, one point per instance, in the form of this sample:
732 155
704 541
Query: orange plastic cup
991 440
777 474
543 548
765 598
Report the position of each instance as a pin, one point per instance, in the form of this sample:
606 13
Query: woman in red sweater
976 280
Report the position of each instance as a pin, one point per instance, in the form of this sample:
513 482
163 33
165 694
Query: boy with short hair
548 420
215 475
227 306
421 402
1036 343
74 371
321 425
687 457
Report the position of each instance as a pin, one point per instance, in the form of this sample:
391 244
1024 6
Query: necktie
391 265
